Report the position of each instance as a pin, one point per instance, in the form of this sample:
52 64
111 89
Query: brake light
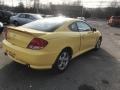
37 43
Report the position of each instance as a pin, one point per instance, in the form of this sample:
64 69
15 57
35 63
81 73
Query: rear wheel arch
16 22
56 63
69 49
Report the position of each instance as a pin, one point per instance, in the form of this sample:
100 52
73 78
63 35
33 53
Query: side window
83 26
31 17
73 27
22 16
27 16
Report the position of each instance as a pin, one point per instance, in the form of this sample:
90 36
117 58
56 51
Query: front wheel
98 44
16 23
62 61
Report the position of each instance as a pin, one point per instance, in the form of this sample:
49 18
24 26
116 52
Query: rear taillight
37 43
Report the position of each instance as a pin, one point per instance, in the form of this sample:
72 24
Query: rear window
46 25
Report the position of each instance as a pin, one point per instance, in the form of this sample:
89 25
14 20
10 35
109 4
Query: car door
74 38
29 18
21 19
87 36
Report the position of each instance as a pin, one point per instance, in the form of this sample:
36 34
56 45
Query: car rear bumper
37 59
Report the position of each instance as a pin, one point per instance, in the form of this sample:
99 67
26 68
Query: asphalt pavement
94 70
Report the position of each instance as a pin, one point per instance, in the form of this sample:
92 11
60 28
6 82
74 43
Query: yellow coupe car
51 42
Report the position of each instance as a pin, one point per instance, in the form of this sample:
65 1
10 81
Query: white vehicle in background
81 18
23 18
49 16
1 27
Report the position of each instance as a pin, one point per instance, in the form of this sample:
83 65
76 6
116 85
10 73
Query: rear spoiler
27 31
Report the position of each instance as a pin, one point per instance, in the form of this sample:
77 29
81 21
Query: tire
62 61
16 23
98 44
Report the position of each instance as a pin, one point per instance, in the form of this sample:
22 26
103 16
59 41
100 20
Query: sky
86 3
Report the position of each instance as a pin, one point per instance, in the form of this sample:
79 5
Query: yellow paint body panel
31 57
17 41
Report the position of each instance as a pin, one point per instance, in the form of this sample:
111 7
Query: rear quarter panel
61 39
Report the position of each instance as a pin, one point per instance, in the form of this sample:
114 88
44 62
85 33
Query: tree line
113 9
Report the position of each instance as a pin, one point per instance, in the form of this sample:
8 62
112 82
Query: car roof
30 13
38 16
60 18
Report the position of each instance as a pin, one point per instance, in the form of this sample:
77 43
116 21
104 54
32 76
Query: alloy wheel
63 60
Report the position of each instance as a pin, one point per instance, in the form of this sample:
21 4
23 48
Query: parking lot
94 70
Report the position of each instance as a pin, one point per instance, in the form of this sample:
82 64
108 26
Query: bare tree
114 4
77 3
36 5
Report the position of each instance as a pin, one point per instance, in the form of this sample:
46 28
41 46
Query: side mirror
1 27
93 29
